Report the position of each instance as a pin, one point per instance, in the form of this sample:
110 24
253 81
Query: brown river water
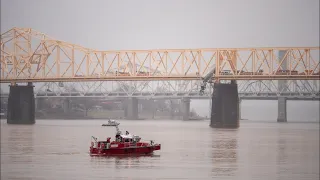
58 150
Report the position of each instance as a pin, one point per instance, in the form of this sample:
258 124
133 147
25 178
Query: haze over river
190 150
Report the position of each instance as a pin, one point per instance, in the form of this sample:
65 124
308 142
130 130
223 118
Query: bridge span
29 56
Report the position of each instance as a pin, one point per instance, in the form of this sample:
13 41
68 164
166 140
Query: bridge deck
160 78
192 95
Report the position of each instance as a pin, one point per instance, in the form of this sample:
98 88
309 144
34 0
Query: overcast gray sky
139 24
111 25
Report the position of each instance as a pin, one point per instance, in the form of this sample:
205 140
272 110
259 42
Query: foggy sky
115 25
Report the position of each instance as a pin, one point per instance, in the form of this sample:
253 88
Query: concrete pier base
131 110
21 105
282 109
225 106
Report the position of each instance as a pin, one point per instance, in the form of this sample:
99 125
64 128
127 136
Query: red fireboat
124 144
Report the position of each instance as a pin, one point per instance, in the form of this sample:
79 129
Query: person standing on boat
117 137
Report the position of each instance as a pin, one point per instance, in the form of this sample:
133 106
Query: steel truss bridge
250 89
31 56
61 69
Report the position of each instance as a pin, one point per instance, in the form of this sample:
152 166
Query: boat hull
124 151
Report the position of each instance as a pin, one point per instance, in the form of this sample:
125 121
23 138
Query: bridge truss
31 56
254 89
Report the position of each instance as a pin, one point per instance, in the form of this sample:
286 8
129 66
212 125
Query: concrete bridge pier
131 108
282 109
239 109
21 105
172 109
66 105
225 106
185 108
153 108
39 103
282 87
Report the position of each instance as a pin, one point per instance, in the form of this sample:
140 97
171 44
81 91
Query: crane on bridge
207 79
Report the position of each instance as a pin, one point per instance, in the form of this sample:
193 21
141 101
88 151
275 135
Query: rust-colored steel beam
31 56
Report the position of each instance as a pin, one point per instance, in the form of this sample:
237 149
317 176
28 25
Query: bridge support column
39 103
66 105
36 103
239 104
132 109
21 105
225 106
125 108
282 109
172 109
185 108
153 108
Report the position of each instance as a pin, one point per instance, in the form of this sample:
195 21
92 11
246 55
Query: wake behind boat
122 145
111 123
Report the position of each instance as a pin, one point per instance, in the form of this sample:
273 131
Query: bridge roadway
306 96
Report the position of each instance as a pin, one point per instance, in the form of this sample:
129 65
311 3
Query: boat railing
151 142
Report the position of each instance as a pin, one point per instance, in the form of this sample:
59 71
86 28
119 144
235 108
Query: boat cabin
127 138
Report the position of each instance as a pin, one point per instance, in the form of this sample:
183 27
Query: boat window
126 140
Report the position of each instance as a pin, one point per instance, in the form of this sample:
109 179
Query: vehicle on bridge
225 72
244 72
260 72
141 73
311 72
124 144
286 72
119 73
